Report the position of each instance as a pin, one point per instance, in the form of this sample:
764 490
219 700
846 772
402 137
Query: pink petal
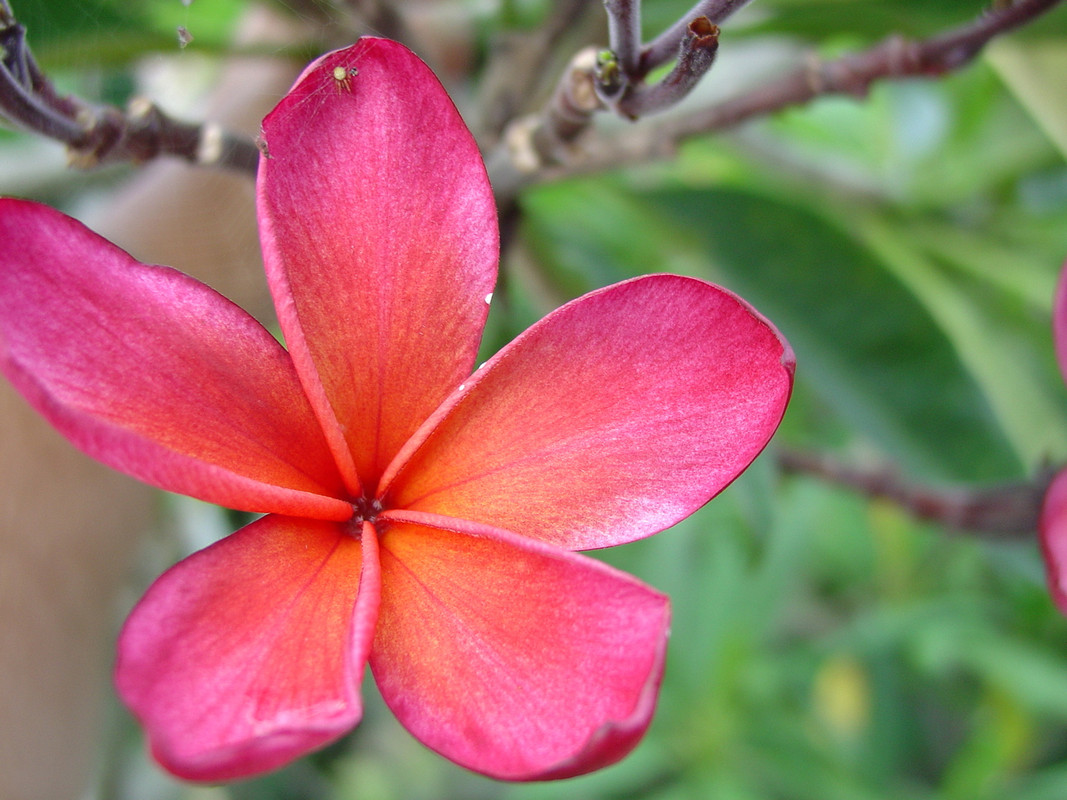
249 654
612 418
511 657
1059 322
154 373
1053 529
380 241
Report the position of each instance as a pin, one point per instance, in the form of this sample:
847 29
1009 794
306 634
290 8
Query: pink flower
1053 521
418 518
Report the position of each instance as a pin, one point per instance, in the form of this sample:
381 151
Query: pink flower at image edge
1053 521
419 518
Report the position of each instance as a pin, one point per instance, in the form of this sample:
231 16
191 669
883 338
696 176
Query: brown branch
1002 511
533 142
96 135
609 79
145 132
624 32
695 57
665 46
894 58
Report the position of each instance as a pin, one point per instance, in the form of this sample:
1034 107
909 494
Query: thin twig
533 142
665 46
96 135
624 32
1003 511
144 133
696 55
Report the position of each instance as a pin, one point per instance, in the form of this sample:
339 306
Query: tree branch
534 142
893 58
695 56
1004 511
665 46
624 32
96 135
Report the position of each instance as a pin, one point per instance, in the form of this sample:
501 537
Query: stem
1003 511
893 58
665 46
97 135
538 141
25 110
624 32
697 54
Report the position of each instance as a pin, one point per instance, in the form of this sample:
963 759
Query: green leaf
1006 348
820 19
1034 73
112 33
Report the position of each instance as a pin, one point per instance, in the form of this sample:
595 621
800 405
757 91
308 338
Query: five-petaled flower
418 517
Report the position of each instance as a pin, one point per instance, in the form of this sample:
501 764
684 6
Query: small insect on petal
342 78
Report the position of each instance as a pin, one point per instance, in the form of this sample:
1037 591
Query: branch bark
96 135
696 54
665 46
893 58
624 32
1003 511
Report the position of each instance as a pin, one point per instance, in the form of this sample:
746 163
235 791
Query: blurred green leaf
819 19
961 143
1000 349
100 34
1034 72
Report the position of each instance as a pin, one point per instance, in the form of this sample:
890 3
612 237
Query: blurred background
827 643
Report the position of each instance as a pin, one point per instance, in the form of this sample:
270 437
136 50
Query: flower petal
154 373
611 419
1053 529
511 657
249 653
380 241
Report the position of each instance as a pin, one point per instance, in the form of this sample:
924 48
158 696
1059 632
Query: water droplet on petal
489 298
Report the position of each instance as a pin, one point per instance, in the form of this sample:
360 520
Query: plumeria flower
1053 521
417 517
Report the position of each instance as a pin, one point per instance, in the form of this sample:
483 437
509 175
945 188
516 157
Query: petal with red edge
609 420
380 241
154 373
1053 528
249 654
512 657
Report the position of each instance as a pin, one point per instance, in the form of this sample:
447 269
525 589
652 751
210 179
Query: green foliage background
825 646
